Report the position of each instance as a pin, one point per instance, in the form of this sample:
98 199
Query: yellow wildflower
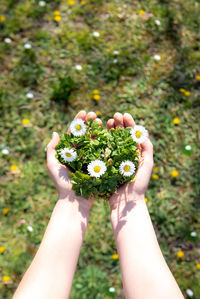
176 121
155 176
5 211
56 13
95 91
13 168
6 278
187 93
96 97
156 169
182 90
25 121
98 113
2 249
174 173
2 19
198 266
141 12
57 19
83 2
197 77
146 199
71 2
115 256
180 254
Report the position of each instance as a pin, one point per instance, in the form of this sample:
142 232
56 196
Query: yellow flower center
78 127
138 134
126 168
68 155
97 168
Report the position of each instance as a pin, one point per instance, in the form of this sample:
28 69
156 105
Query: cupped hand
137 188
60 173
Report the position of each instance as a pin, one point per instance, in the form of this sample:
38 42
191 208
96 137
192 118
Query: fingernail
127 114
53 134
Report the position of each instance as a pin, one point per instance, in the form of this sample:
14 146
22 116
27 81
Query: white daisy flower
42 3
78 127
78 67
157 57
69 155
157 22
27 46
96 168
96 34
5 151
115 60
189 293
188 147
139 134
29 228
8 40
30 95
193 234
111 290
127 168
116 52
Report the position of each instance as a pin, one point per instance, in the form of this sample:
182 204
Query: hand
136 189
60 173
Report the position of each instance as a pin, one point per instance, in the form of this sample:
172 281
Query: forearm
145 273
50 274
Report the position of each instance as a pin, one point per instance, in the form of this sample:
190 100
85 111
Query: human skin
51 272
145 273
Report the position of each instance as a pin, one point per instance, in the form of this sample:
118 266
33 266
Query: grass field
144 58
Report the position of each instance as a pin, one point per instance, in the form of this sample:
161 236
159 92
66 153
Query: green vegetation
111 147
142 57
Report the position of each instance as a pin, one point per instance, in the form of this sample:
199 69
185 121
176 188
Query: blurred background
58 57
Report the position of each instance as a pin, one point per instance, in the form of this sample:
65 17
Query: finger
91 115
147 152
51 159
81 114
128 120
110 124
99 121
118 117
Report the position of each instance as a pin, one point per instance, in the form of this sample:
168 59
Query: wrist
121 208
73 207
121 199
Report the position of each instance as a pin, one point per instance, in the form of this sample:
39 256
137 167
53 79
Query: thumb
146 160
51 159
147 152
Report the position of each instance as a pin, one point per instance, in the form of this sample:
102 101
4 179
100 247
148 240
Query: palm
60 173
143 174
